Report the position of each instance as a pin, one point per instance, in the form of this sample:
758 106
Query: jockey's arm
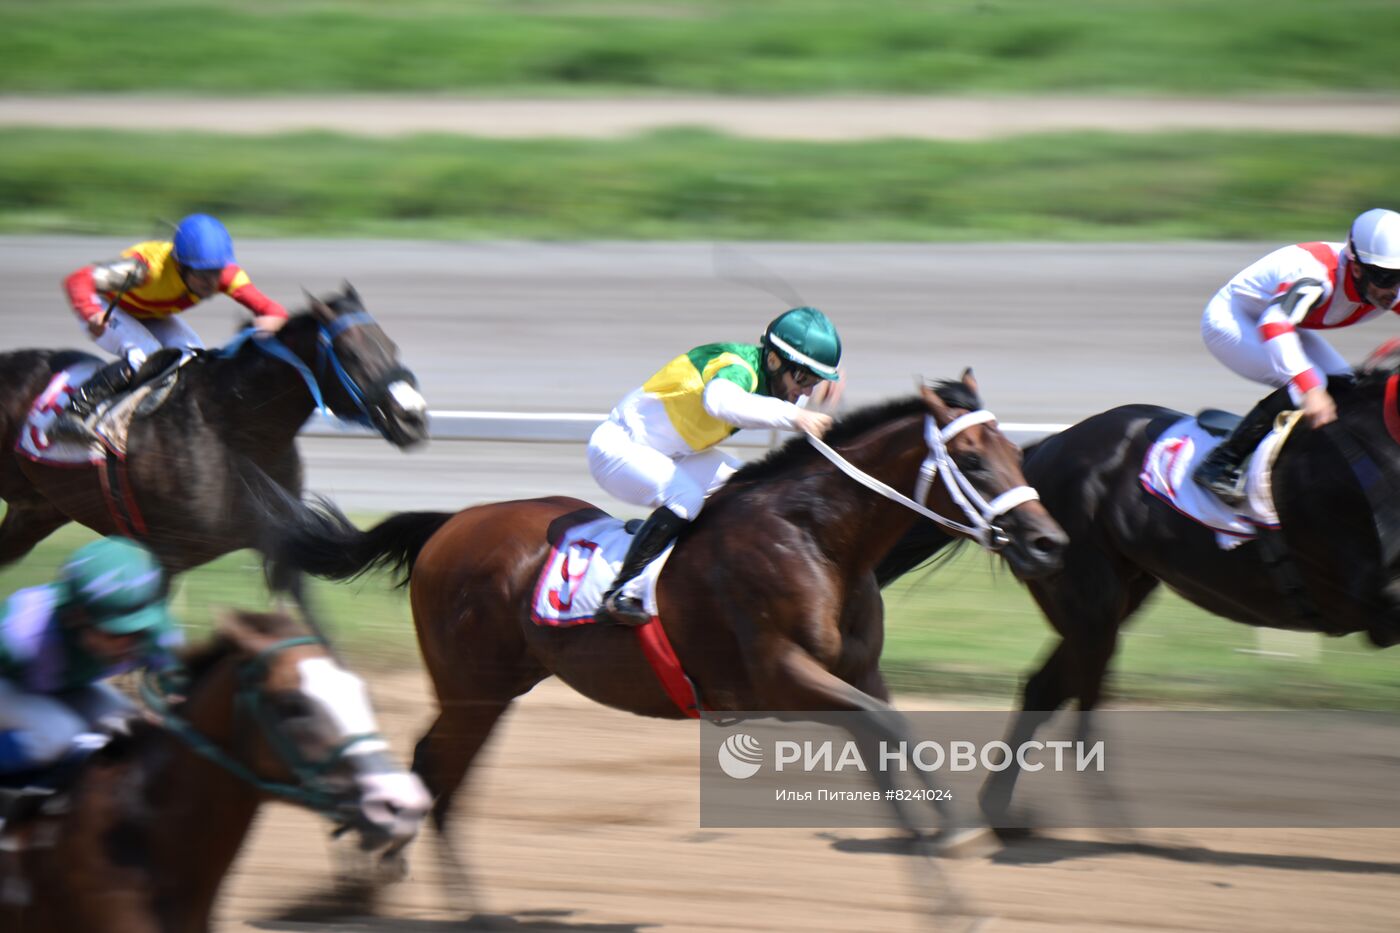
268 315
1307 383
1276 330
85 287
728 402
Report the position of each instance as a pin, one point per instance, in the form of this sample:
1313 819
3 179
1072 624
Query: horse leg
1045 692
442 758
798 682
25 525
1087 616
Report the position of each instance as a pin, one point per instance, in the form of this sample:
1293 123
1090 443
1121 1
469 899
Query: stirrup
71 426
1227 486
622 610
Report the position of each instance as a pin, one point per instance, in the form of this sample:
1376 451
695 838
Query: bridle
328 363
312 788
980 513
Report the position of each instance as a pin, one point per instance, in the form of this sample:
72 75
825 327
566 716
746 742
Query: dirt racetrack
585 820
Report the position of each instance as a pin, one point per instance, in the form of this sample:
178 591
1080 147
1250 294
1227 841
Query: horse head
360 374
980 468
267 702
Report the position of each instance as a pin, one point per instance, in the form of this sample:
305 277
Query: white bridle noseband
981 514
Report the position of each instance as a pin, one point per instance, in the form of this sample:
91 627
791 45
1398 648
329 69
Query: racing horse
768 599
153 821
231 420
1331 568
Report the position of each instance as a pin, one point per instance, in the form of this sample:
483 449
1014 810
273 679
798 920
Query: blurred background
528 195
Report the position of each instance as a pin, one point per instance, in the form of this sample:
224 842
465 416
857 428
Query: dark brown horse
155 819
769 598
231 420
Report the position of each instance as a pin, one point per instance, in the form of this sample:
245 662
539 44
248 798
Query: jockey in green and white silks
106 614
657 448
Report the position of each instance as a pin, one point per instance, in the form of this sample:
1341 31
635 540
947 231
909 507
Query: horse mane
782 459
198 660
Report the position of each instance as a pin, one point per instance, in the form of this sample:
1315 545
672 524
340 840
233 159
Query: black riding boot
647 544
1222 471
106 382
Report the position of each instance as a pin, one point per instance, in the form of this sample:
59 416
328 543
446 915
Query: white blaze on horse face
407 398
343 701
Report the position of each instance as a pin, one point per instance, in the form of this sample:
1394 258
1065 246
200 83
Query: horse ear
970 381
351 293
936 405
324 312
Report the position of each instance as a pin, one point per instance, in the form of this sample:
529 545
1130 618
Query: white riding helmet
1375 239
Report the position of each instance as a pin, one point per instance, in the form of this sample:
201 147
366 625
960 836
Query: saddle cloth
113 421
1169 463
581 567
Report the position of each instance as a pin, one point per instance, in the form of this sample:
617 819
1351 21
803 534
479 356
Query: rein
980 513
325 355
311 790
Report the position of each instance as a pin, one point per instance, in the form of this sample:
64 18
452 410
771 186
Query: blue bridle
325 355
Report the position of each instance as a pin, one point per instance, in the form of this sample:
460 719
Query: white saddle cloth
34 442
1169 463
580 569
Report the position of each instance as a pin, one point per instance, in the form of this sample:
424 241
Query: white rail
569 427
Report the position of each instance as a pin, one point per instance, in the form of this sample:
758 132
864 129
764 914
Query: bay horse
154 820
1332 568
231 420
769 597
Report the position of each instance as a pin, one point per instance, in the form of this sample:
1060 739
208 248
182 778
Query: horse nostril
1047 546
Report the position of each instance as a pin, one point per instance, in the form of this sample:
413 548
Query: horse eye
972 463
291 706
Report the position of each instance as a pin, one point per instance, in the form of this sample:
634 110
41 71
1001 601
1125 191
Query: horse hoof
1008 834
391 869
967 842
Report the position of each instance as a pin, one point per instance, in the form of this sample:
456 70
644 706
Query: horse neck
265 399
864 525
204 811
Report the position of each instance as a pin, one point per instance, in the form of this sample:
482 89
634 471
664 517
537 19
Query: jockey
144 290
1263 325
657 448
105 615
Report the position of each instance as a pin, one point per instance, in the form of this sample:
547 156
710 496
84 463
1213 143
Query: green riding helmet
120 586
806 338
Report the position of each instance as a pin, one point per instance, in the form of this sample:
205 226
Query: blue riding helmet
201 242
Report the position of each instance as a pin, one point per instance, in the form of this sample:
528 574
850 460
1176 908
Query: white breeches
46 726
1235 341
642 475
134 340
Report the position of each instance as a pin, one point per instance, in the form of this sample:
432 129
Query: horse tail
318 539
315 537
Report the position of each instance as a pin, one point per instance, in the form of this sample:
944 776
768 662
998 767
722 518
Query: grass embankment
708 46
964 629
696 185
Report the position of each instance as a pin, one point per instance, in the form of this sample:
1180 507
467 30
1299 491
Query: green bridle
311 789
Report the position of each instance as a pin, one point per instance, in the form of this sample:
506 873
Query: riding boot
111 379
660 528
1222 471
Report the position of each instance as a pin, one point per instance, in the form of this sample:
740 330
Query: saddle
1218 423
111 423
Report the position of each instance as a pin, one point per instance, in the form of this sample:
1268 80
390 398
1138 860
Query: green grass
964 629
722 46
696 185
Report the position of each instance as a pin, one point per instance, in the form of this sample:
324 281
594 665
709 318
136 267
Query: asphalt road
1054 332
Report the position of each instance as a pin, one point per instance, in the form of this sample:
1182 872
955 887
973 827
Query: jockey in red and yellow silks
128 305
